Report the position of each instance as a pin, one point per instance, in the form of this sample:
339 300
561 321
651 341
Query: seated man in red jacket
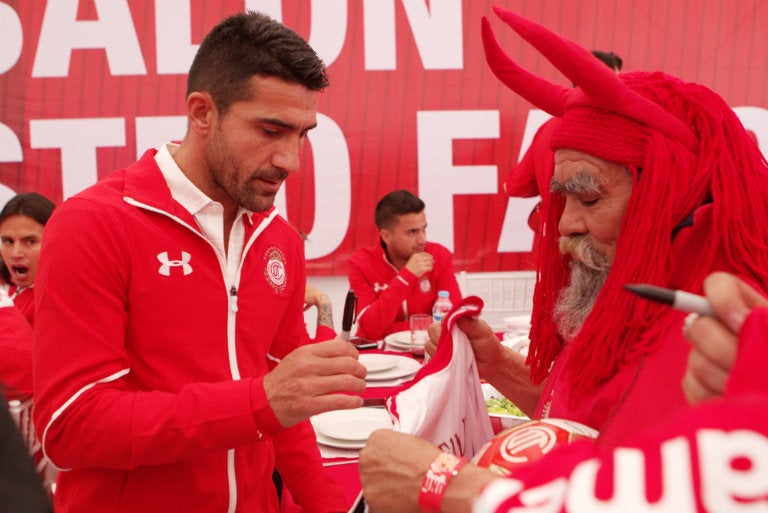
172 366
402 273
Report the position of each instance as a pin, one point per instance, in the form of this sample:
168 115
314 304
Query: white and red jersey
387 297
711 457
149 362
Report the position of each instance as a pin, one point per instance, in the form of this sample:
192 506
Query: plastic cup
419 325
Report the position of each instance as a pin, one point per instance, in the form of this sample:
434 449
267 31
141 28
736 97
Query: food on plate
503 406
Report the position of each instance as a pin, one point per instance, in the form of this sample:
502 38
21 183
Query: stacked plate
386 367
349 429
399 341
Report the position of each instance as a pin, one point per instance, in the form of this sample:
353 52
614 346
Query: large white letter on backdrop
10 146
173 33
273 8
329 29
10 151
333 189
12 37
756 120
439 179
62 33
516 235
152 131
78 140
437 31
329 24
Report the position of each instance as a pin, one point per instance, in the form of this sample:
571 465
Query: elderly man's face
596 195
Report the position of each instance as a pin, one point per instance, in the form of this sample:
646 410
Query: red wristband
439 474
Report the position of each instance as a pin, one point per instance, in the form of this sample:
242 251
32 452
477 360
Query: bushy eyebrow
283 124
580 183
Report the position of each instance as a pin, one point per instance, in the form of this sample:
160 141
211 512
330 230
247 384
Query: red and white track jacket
149 365
387 297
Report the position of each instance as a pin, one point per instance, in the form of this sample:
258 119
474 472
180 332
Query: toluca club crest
274 269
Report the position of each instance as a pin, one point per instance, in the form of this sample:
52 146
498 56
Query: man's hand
420 263
715 339
392 467
485 344
500 366
313 379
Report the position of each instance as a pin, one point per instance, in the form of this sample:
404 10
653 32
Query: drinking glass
419 325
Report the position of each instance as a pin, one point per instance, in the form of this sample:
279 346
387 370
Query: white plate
349 429
376 363
399 340
404 366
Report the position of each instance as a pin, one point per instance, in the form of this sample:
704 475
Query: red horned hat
598 86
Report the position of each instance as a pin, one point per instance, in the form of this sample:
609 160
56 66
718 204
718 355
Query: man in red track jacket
172 366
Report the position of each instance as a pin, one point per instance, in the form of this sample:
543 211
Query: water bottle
442 306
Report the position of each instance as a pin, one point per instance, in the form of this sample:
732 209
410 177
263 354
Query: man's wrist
439 474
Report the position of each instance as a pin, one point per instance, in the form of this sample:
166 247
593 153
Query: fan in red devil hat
699 190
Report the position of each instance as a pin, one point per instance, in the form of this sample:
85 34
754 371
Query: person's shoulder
366 252
364 255
106 197
102 195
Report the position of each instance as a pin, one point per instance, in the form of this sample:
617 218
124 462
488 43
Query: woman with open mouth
21 231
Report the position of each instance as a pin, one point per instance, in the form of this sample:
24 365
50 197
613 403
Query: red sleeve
324 333
300 465
15 353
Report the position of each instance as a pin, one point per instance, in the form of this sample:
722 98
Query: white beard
589 271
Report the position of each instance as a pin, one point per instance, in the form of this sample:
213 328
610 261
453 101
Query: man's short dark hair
248 44
394 204
610 59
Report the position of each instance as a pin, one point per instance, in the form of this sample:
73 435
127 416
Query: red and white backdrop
86 86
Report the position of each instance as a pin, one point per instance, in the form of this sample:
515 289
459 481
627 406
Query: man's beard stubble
589 271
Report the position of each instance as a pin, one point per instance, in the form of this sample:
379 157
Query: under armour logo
165 269
377 287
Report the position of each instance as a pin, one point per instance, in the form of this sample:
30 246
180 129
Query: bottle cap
443 293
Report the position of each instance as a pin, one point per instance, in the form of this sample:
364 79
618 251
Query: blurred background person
21 231
402 273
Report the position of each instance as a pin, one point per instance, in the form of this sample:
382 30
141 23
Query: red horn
546 95
601 86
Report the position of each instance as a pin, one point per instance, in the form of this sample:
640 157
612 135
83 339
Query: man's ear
385 235
201 111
